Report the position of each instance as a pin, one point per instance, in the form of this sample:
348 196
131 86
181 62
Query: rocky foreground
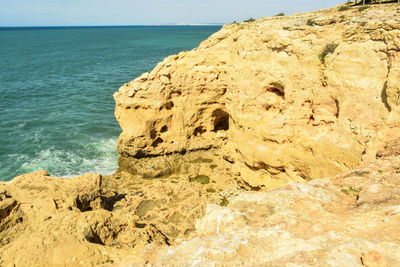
222 152
348 220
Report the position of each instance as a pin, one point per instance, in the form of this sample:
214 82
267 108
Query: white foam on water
99 157
107 162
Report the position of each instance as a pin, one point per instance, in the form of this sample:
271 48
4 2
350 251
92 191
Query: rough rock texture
99 220
257 105
262 94
349 220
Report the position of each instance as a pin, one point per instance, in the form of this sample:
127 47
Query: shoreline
261 140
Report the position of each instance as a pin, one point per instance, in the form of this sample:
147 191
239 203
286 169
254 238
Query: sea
56 92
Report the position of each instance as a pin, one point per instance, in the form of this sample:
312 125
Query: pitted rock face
272 96
275 98
351 219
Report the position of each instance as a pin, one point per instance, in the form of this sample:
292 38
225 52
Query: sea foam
100 157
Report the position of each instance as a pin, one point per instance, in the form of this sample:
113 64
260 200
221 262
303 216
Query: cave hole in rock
156 142
94 238
153 134
83 204
109 202
267 107
220 120
199 131
276 88
140 225
311 119
169 105
164 129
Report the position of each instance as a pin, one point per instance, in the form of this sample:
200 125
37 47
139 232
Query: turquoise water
56 87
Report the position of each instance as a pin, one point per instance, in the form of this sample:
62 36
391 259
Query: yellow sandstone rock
348 220
260 105
267 95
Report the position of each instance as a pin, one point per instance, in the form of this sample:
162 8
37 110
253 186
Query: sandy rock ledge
223 154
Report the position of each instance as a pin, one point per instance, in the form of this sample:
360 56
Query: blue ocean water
56 87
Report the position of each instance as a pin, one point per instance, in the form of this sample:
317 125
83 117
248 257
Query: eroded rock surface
95 220
349 220
266 95
257 106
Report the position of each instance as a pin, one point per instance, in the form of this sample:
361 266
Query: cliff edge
284 98
273 105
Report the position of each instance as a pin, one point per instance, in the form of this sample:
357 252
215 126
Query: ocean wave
99 157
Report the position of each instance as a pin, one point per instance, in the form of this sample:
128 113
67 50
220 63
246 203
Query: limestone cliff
255 106
272 96
348 220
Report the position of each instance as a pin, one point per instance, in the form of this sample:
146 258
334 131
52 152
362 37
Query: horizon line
137 25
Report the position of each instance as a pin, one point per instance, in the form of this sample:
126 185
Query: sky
146 12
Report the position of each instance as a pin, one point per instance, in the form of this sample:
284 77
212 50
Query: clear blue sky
145 12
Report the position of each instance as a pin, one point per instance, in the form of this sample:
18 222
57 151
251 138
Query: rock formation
100 220
271 97
348 220
272 106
